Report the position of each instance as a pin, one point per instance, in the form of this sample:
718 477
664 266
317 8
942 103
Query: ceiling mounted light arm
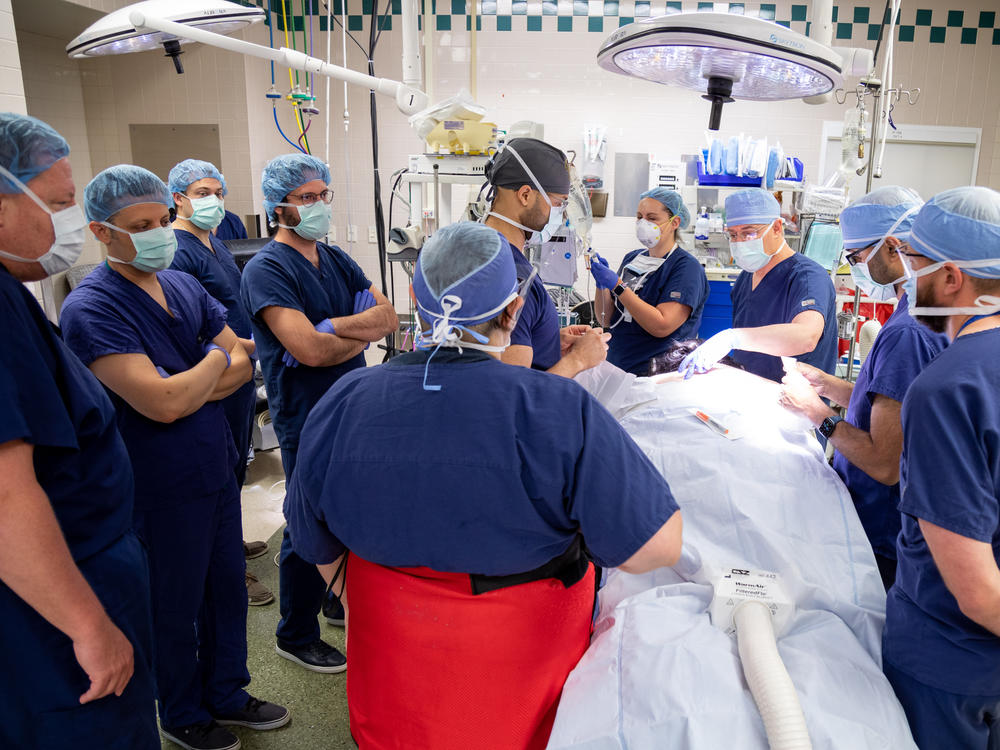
409 100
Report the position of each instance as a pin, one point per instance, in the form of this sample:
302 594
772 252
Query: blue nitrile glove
324 326
602 273
209 346
161 372
363 300
289 360
706 356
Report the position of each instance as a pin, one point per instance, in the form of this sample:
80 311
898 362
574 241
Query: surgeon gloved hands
324 326
363 300
604 277
707 356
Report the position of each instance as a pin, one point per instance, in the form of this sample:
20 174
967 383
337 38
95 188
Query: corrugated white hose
770 685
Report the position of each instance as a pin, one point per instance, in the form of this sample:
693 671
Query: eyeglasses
854 257
750 233
309 198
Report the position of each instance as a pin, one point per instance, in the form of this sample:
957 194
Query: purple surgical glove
363 300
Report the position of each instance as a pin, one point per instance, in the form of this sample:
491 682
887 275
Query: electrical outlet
372 239
332 234
428 213
352 233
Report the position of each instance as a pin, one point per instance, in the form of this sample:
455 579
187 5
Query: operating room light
728 56
114 33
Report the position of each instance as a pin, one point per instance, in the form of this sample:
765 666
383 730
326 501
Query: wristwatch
829 425
619 289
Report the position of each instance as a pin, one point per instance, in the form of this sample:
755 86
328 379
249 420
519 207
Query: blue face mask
750 254
154 248
984 304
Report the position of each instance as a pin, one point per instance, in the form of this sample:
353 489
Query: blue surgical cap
671 201
28 147
192 170
960 224
751 206
467 262
122 186
867 220
285 173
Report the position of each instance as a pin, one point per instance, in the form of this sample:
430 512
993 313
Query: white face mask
69 226
648 233
984 304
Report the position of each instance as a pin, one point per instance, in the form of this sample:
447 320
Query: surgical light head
285 173
671 201
122 186
751 206
961 224
871 216
190 171
547 163
465 274
28 147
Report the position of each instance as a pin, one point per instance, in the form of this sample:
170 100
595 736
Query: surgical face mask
984 304
207 212
862 276
648 233
750 254
154 248
69 226
314 220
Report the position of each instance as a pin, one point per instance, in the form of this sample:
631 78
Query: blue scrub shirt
494 474
901 350
279 276
680 279
793 286
231 228
538 324
217 272
53 402
108 314
950 477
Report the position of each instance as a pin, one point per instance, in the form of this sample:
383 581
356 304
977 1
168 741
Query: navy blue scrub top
280 276
793 286
54 403
217 272
950 477
108 314
494 474
901 350
231 228
538 325
680 279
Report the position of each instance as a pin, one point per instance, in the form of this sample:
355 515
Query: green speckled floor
317 701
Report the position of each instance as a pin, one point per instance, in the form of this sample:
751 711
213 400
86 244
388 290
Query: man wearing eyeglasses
529 185
869 440
783 302
313 313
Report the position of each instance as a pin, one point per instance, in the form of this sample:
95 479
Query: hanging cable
379 215
291 143
270 36
343 26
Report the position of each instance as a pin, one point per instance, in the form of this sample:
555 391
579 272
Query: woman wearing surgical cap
941 646
470 597
198 190
868 442
783 302
659 292
161 347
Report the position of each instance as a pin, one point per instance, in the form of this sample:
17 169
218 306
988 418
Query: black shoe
256 714
317 656
205 736
333 610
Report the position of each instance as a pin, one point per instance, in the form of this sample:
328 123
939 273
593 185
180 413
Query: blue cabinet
718 312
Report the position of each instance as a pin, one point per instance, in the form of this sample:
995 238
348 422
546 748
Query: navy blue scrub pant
199 604
941 720
302 588
42 681
239 408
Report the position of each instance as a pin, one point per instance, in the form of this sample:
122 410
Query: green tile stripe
851 23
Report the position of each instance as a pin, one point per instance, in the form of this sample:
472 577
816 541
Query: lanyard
972 320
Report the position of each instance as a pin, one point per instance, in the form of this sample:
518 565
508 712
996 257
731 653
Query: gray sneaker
256 714
257 593
254 549
204 736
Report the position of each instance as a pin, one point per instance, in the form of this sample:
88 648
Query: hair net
192 170
122 186
468 267
285 173
960 224
671 201
28 147
545 161
869 218
751 206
